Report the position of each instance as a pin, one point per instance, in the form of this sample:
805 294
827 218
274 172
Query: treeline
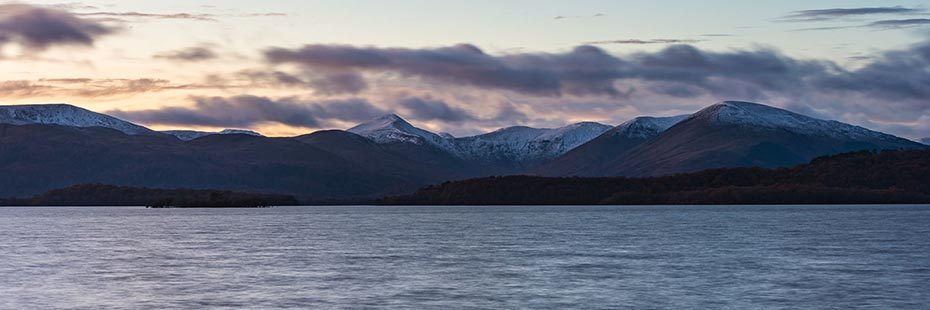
109 195
868 177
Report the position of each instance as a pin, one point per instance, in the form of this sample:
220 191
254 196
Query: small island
110 195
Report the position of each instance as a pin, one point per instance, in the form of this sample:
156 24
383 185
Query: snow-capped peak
65 115
647 126
520 143
392 128
188 135
761 116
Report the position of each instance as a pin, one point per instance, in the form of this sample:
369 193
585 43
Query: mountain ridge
66 115
339 165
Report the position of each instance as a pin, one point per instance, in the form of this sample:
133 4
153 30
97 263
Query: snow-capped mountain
742 134
509 145
392 129
609 145
925 141
65 115
188 135
761 116
520 143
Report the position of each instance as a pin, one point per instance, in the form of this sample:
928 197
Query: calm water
751 257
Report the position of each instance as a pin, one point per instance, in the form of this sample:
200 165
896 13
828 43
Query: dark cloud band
249 111
682 70
196 53
40 28
834 13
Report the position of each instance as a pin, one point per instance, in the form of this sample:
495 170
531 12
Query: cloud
835 13
85 88
323 83
892 75
823 28
339 83
427 109
264 79
585 70
881 25
642 42
39 28
679 71
558 17
190 54
71 6
900 23
206 17
272 14
120 15
248 111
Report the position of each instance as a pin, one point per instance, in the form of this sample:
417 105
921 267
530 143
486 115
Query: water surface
737 257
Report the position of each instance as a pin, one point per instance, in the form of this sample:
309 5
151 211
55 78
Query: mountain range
724 135
45 147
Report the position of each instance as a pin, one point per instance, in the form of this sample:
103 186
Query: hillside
861 177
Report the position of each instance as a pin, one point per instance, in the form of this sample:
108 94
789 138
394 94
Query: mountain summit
392 129
759 116
66 115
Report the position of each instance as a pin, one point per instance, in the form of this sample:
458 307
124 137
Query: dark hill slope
38 158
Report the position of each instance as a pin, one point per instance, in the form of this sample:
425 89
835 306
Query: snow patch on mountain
65 115
645 127
188 135
925 141
761 116
522 143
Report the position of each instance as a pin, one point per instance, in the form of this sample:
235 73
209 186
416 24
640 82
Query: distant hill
109 195
852 178
45 157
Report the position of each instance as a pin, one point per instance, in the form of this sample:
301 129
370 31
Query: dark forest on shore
867 177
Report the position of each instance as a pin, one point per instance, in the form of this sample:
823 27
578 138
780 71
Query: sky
291 67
